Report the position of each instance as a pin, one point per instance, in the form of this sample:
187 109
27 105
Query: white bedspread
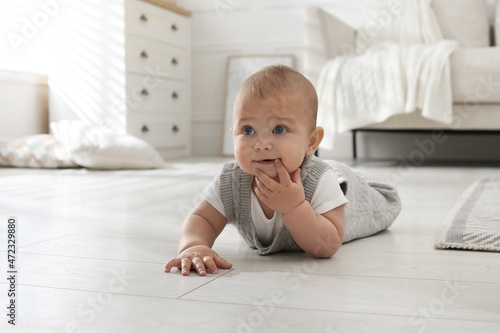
409 70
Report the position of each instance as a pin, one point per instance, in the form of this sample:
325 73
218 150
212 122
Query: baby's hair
276 81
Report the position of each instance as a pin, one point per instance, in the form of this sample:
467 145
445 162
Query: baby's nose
264 141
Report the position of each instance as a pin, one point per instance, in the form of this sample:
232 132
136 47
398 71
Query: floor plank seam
94 291
437 252
341 311
43 241
97 258
117 237
379 277
456 253
204 284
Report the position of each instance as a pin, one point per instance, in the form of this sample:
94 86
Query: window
23 28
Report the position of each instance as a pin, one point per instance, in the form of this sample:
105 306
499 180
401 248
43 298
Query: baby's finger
176 262
283 175
210 264
199 266
264 198
262 187
265 179
185 266
296 177
222 263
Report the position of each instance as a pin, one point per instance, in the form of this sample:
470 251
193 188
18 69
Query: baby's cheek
239 149
243 159
288 168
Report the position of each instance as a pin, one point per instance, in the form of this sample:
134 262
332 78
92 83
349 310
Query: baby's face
265 130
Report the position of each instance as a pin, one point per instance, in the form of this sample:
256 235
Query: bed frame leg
354 152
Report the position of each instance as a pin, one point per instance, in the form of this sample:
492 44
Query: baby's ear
231 130
315 139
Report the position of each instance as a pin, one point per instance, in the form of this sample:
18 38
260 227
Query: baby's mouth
266 162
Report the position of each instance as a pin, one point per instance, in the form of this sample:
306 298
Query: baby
277 193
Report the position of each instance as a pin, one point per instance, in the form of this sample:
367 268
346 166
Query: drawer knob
144 54
174 27
143 18
175 129
144 92
174 61
144 129
175 95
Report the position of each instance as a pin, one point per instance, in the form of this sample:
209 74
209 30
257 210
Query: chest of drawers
158 101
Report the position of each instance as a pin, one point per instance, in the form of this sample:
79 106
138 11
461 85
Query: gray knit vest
236 189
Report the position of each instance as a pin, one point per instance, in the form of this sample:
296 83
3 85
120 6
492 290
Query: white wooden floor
92 249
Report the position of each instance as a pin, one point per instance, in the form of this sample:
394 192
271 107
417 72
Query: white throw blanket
398 75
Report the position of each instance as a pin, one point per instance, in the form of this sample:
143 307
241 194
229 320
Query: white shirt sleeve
328 194
212 195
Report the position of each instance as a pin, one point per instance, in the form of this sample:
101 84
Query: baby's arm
319 235
198 234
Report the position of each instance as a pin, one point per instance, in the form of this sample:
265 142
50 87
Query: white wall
233 27
242 27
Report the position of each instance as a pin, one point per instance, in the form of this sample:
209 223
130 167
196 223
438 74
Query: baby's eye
248 131
279 130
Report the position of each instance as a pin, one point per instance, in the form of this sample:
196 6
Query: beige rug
474 221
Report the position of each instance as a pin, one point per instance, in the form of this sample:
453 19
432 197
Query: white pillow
94 148
35 151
